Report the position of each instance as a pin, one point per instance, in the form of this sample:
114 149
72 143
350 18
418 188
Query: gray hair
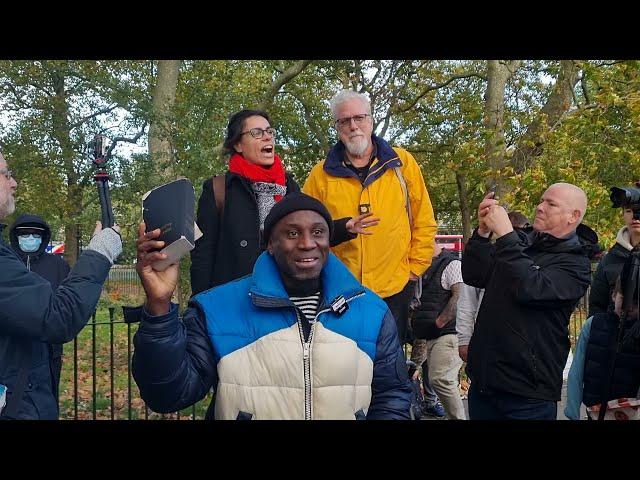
344 96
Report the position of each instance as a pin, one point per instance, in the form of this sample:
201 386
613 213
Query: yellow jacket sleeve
311 186
424 222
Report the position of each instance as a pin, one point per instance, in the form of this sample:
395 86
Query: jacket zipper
361 238
306 363
29 262
306 354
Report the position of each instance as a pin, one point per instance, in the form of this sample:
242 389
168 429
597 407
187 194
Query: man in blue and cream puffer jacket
300 338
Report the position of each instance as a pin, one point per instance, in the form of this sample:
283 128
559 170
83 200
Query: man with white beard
363 173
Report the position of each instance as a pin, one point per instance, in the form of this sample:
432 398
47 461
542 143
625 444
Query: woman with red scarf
256 180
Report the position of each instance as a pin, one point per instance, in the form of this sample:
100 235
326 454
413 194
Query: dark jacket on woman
532 283
229 246
598 360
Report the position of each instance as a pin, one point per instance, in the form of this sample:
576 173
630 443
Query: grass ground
103 375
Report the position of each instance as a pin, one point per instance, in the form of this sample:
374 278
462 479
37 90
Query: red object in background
58 249
450 242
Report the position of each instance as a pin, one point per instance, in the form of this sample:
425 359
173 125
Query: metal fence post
93 364
75 378
111 314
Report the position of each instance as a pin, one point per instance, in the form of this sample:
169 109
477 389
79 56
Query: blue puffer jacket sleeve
173 363
575 382
30 308
390 387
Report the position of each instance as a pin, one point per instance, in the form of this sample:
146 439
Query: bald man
533 279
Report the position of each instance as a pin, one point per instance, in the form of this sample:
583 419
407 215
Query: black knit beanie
292 203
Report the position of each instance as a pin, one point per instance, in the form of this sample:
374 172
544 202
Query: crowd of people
304 298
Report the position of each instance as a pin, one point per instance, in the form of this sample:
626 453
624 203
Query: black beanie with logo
292 203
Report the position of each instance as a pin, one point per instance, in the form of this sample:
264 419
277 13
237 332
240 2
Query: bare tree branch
512 65
288 75
437 86
313 126
93 115
387 121
18 97
37 86
134 139
558 103
608 64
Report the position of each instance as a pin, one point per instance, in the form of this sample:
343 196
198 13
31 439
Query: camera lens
621 197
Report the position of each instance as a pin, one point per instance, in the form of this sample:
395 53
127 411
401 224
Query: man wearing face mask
29 236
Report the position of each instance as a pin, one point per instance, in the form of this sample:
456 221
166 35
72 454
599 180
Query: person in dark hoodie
610 266
29 236
533 280
34 315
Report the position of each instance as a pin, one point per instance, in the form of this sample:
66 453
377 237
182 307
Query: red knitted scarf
258 173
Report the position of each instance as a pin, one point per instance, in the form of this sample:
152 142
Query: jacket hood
386 157
624 239
570 244
589 240
29 221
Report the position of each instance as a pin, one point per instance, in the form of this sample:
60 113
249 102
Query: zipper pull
305 350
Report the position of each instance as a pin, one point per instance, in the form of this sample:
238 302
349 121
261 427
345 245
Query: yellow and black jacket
381 261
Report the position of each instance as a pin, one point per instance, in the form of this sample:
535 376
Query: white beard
8 208
357 146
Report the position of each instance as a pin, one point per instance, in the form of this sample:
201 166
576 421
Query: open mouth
307 262
267 149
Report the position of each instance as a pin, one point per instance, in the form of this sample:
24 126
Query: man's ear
270 247
575 215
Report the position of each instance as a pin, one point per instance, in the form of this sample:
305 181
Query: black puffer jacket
607 272
50 267
599 357
532 284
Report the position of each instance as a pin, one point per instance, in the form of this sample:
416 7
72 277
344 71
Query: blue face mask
29 243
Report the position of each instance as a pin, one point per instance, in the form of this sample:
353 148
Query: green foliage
435 108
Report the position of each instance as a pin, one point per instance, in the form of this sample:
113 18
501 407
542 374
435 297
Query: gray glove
108 243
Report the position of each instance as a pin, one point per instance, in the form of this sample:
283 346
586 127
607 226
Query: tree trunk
164 99
530 145
62 134
465 211
498 74
285 77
